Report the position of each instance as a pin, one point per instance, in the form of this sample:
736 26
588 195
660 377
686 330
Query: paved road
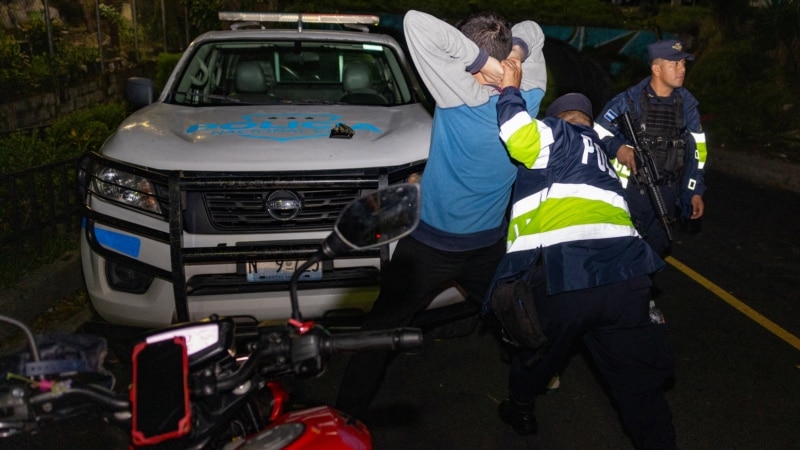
737 383
738 372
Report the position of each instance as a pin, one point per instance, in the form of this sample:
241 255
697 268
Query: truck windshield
258 72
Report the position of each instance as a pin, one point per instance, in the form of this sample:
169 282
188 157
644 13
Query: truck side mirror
140 92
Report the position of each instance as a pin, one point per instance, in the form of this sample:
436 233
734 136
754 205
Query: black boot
519 416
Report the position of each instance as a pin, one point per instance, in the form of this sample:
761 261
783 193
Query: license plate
272 271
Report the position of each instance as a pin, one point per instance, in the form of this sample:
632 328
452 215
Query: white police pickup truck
205 198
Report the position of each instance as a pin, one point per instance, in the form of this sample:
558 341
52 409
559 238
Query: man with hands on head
467 181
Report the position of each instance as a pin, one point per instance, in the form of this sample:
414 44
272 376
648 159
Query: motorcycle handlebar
307 353
100 397
397 339
26 409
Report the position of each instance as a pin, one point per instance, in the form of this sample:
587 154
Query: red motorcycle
216 383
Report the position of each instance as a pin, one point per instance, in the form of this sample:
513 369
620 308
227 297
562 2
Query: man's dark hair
576 117
490 31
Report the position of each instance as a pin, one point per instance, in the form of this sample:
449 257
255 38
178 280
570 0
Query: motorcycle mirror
373 220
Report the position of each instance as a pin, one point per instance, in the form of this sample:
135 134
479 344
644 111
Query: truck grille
245 211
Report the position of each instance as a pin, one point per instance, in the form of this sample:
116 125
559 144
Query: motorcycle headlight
125 188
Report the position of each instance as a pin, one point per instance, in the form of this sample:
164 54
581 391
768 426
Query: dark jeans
633 355
416 274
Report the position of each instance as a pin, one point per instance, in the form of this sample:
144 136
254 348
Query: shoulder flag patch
610 115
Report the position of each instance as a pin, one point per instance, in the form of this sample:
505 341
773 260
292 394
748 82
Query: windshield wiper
205 97
314 101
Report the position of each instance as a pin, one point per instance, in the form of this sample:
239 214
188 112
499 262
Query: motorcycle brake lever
302 327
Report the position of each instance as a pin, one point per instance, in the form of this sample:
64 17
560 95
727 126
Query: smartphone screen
160 394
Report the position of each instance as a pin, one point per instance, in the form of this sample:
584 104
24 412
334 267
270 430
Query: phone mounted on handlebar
160 391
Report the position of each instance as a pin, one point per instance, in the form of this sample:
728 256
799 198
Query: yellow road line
736 303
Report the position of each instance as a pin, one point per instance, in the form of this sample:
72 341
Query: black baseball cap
573 101
669 49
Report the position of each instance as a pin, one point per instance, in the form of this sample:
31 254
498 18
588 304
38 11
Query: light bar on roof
341 19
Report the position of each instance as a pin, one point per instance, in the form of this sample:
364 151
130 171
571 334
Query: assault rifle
647 172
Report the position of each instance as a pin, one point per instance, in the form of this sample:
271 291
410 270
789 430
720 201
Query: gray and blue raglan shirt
468 177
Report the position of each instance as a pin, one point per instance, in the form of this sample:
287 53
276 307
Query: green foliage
86 129
738 95
204 14
74 62
165 63
40 74
14 64
747 84
111 14
120 28
9 49
21 150
678 19
67 138
35 32
26 66
152 29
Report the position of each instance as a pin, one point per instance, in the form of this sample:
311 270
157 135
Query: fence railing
38 204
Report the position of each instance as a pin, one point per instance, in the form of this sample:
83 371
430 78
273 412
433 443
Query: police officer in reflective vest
572 241
670 128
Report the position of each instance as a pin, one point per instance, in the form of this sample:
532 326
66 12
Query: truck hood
270 137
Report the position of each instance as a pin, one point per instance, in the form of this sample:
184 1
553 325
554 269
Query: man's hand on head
492 71
512 73
517 52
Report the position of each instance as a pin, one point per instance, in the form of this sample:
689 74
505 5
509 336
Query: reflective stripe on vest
571 233
700 152
567 212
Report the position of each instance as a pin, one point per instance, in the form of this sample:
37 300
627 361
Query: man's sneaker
520 417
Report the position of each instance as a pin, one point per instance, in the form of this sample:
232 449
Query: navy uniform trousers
633 355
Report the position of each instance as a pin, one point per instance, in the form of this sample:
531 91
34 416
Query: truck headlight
126 188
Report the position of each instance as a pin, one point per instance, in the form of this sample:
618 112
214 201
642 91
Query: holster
513 304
